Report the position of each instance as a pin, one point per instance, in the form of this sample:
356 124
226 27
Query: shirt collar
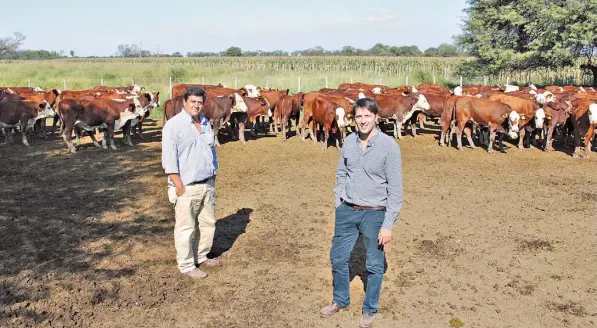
202 118
372 140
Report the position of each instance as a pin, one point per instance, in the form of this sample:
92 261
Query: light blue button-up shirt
187 152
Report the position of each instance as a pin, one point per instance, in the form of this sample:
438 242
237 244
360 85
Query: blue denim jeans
349 223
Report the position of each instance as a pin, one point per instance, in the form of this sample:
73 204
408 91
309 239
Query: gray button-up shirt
186 151
372 177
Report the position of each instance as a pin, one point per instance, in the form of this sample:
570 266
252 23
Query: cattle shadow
61 214
357 264
228 229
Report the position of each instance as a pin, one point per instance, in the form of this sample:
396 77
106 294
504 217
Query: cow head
239 104
361 95
458 91
593 113
421 103
545 97
539 118
44 110
511 88
341 118
135 88
252 91
414 90
376 90
513 123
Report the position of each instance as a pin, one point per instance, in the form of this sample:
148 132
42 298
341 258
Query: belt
364 208
200 182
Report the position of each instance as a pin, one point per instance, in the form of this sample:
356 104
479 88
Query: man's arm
393 169
340 178
170 160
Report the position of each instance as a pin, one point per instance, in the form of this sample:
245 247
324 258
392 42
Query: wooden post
133 81
351 80
299 84
326 81
461 81
170 87
102 81
29 83
433 79
407 80
64 82
379 79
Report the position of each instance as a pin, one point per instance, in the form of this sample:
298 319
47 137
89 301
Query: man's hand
384 237
180 190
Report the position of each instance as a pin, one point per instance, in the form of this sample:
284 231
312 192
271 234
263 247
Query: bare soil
500 240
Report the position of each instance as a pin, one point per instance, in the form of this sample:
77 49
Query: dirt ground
501 240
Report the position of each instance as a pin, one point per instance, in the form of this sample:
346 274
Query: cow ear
157 94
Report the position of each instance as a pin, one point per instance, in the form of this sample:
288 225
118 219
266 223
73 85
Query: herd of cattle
488 112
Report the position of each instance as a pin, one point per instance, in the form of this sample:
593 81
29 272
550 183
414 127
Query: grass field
278 72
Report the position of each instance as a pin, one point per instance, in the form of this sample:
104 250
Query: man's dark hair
367 103
194 91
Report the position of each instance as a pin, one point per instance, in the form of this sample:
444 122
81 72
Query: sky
96 28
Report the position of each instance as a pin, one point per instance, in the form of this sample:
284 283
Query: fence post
508 79
235 82
64 84
379 79
170 87
461 81
29 82
202 80
299 84
102 81
326 81
351 80
433 79
133 81
484 80
407 80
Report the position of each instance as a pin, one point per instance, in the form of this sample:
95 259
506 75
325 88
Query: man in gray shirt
189 159
368 200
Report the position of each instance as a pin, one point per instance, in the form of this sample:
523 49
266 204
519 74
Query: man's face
365 120
193 105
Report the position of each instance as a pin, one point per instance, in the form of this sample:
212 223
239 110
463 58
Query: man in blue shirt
368 196
189 159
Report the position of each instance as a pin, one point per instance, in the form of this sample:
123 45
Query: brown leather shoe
367 320
211 262
331 308
196 274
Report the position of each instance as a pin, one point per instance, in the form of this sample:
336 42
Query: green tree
525 34
233 52
9 46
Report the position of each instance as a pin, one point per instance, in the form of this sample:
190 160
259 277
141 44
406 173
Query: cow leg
549 137
459 133
126 135
313 131
241 132
492 139
95 143
24 138
521 134
467 131
588 138
413 129
67 135
284 124
326 136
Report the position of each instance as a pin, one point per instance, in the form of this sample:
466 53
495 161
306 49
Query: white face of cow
414 90
361 95
458 91
136 88
539 118
138 108
376 90
252 91
513 120
511 88
45 111
239 104
593 113
421 104
341 119
532 86
582 90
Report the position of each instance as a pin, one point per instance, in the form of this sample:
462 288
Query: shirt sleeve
393 168
215 156
340 179
169 151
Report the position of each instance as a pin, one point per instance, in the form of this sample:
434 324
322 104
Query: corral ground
501 240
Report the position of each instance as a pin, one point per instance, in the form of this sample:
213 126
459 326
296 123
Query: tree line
515 35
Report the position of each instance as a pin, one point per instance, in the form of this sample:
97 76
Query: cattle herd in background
487 113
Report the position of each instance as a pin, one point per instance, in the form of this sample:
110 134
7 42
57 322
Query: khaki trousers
195 223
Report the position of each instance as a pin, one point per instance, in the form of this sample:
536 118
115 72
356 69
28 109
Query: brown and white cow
400 109
23 112
288 107
532 116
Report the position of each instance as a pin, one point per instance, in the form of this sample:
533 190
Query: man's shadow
358 257
228 229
